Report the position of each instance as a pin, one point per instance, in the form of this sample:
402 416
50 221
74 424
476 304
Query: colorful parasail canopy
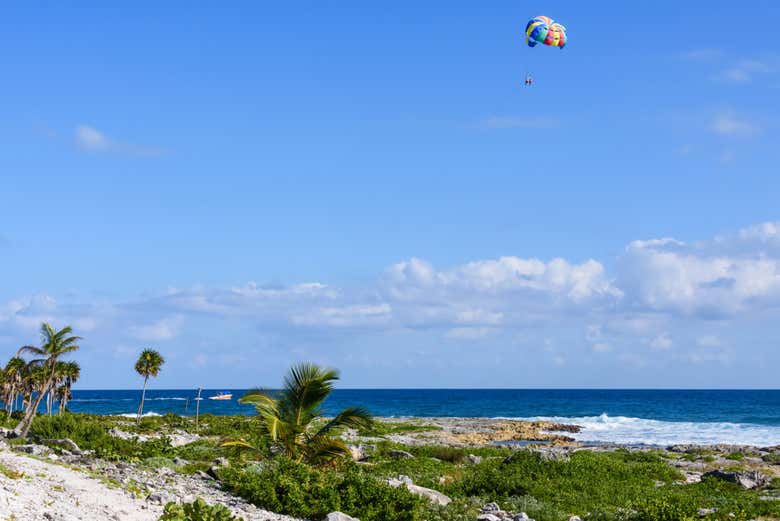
546 31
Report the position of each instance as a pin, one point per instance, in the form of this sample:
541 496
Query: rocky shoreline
37 482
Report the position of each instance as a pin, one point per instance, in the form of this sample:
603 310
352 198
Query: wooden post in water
197 408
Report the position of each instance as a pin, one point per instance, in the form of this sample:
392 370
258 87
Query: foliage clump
300 490
198 510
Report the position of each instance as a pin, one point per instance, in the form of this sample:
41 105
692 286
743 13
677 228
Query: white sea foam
627 430
135 415
179 398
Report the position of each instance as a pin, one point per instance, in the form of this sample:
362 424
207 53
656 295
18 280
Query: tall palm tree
12 377
54 344
288 417
149 364
69 372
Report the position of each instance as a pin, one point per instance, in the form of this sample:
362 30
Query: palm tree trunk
24 425
141 406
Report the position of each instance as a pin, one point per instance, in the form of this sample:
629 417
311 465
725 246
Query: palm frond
351 417
323 450
238 443
33 350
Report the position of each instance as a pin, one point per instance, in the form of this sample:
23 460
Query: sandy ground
48 491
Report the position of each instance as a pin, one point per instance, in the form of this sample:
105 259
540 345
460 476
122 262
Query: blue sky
371 187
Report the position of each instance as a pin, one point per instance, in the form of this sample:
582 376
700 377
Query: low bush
299 490
198 510
91 433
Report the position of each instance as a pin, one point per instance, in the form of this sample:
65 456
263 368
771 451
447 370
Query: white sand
54 492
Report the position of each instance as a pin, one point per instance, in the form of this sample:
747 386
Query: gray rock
402 454
35 450
340 516
474 460
434 496
704 512
180 461
203 475
219 464
490 507
158 498
66 443
521 517
552 453
747 479
575 518
488 517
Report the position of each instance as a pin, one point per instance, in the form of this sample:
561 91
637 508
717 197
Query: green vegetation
300 466
597 486
198 510
292 421
148 364
377 429
41 377
736 456
10 473
301 490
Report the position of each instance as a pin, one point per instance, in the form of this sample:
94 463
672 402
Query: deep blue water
637 416
756 407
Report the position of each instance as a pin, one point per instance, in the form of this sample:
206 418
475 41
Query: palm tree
149 364
54 344
288 417
70 372
12 382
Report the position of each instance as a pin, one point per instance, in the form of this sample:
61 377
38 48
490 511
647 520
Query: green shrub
302 491
198 510
91 433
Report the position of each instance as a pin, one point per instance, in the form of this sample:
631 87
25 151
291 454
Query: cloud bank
664 301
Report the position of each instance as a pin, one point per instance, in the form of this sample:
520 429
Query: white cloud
729 124
724 276
90 139
662 342
164 329
745 71
708 341
470 333
345 316
575 282
663 302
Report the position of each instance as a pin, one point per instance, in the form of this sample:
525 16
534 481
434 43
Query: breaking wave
640 431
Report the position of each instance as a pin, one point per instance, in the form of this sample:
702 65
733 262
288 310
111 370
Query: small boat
222 396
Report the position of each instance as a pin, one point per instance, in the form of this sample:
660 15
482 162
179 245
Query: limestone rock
434 496
747 479
401 454
474 460
340 516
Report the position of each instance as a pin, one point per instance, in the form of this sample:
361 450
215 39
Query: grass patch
380 428
10 473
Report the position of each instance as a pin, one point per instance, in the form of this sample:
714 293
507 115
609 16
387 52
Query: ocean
652 417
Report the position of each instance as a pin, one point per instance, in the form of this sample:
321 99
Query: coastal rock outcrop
747 479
